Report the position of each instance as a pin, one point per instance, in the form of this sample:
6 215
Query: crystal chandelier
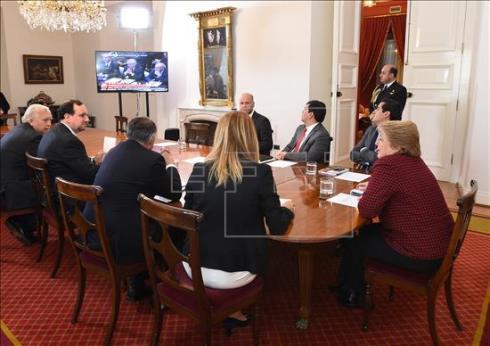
69 16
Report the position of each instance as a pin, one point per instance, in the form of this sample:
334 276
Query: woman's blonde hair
403 136
235 139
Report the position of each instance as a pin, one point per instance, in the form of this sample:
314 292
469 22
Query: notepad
165 144
109 143
162 199
281 163
345 199
354 177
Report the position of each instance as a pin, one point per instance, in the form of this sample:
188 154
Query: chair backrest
179 220
465 208
200 133
172 134
72 198
121 123
41 181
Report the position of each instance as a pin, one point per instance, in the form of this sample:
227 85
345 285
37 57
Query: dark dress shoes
137 292
230 323
349 299
27 238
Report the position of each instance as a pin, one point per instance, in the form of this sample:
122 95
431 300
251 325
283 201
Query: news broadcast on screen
122 71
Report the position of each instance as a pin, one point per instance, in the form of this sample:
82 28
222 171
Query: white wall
476 162
272 50
19 40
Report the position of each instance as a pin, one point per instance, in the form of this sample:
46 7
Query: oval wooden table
316 221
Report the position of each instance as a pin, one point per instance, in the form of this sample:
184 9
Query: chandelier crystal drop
69 16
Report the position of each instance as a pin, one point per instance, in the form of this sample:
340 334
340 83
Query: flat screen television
122 71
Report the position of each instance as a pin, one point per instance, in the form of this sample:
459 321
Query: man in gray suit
364 153
311 141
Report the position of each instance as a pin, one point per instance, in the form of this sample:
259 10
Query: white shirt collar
389 84
68 127
252 113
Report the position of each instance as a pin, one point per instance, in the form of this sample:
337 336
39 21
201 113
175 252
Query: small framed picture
43 69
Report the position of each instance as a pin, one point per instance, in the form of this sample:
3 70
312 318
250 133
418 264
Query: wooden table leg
305 262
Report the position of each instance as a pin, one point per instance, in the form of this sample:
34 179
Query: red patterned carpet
37 309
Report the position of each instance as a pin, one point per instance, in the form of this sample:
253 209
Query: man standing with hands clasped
389 88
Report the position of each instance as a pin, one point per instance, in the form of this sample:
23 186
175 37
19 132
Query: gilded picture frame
215 57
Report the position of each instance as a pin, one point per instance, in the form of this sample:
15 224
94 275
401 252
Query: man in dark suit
4 107
262 124
134 71
364 153
158 74
129 169
66 154
389 88
16 186
311 141
108 67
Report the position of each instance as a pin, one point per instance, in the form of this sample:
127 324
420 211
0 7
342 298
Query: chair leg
450 303
43 236
391 295
82 275
431 315
157 321
255 324
368 305
116 298
59 256
206 332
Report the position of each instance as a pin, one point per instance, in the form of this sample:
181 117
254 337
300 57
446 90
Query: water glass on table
311 168
326 187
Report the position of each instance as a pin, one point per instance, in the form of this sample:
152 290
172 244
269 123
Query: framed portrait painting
215 57
43 69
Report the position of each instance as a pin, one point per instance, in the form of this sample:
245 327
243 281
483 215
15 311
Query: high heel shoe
229 323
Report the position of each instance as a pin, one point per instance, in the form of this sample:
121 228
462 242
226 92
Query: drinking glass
326 187
311 168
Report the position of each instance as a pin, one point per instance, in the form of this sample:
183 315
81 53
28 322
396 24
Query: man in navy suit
16 186
311 141
129 169
262 124
389 88
66 154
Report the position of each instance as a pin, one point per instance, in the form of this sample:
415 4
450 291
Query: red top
405 195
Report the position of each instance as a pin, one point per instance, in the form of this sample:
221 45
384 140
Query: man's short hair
392 106
141 129
318 108
32 110
68 108
393 70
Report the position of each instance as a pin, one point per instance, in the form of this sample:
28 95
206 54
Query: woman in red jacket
415 222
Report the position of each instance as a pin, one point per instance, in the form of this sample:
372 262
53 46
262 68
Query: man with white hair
16 185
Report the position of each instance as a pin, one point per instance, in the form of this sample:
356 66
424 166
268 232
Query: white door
432 75
345 61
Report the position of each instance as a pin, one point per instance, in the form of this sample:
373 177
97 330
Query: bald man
262 124
389 88
16 185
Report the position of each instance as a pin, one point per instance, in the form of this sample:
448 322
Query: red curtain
398 29
374 32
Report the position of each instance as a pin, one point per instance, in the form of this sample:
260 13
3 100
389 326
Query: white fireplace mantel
187 114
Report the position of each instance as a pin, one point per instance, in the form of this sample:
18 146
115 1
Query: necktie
299 140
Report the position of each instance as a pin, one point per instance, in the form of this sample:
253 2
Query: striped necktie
297 145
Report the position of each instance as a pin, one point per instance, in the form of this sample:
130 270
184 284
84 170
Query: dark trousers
371 244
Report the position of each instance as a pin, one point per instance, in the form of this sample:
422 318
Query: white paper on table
109 143
165 144
345 199
284 201
351 176
196 159
281 163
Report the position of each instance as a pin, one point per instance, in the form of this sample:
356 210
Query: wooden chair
172 134
121 123
8 116
49 210
427 284
200 133
171 285
102 262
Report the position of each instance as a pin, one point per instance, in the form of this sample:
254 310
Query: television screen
131 71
